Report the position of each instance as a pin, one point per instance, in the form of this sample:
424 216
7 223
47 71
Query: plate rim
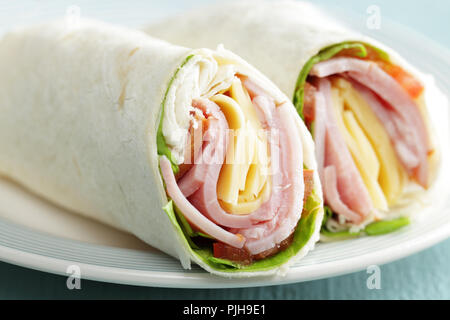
196 280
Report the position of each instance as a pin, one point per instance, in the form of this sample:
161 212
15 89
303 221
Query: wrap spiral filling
367 119
241 181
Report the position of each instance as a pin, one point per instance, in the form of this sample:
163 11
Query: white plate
37 235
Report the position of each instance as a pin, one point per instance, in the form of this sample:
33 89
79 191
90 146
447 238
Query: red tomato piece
309 103
225 251
308 178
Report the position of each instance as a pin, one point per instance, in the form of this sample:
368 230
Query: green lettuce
373 229
325 54
386 226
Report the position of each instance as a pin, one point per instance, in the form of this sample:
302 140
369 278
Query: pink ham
407 129
253 89
192 179
345 193
284 203
191 213
289 188
333 198
320 130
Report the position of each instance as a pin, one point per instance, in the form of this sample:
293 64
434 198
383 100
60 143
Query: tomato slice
224 251
405 79
309 101
308 178
279 247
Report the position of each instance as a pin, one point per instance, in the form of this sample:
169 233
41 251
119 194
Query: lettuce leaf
340 235
386 226
325 54
373 229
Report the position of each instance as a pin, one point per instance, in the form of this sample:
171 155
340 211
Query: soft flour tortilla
80 106
276 37
279 38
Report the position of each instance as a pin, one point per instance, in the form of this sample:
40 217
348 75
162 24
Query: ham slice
333 198
345 192
288 189
400 115
191 213
319 134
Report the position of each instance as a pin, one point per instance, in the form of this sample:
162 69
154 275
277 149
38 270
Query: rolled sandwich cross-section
364 105
368 119
193 151
233 177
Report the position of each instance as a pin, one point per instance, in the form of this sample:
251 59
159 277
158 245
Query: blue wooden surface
422 276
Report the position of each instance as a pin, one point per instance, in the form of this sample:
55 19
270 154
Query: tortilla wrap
93 115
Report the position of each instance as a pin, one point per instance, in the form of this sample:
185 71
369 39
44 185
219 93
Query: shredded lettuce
161 144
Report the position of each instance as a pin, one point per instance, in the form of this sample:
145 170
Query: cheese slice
233 168
361 150
231 110
391 176
241 96
369 170
247 206
243 185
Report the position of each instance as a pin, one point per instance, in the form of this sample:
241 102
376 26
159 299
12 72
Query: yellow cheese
366 161
391 175
243 185
254 183
247 206
262 160
231 110
230 175
248 154
361 150
241 96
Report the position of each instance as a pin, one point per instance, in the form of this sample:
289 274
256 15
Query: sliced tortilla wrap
99 119
365 106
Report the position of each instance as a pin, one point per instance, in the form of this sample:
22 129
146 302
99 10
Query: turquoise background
422 276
